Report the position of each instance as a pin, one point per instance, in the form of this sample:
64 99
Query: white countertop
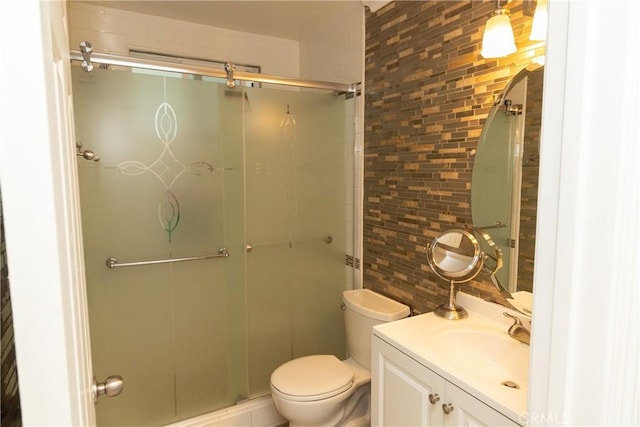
435 343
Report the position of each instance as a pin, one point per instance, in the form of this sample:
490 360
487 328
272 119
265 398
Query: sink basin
490 357
475 354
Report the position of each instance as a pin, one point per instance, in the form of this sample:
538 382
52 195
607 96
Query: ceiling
286 19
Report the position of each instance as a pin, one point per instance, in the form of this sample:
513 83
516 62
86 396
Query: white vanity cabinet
406 393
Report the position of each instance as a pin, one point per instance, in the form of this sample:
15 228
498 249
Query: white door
41 213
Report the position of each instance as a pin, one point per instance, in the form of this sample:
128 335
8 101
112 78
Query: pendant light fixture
539 24
498 40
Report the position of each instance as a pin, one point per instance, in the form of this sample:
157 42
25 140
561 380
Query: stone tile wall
427 93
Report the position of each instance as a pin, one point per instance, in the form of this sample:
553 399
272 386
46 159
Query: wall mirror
454 256
504 185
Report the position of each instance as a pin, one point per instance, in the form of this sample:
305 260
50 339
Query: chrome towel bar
498 224
328 239
113 262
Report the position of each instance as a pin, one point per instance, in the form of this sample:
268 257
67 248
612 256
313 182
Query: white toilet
321 390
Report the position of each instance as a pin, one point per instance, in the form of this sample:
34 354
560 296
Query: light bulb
539 24
498 38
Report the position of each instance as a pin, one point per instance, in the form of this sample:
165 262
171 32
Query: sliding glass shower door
165 187
296 227
190 168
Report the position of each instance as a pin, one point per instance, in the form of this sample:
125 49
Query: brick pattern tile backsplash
427 94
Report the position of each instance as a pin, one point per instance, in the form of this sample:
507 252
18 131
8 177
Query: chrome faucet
518 331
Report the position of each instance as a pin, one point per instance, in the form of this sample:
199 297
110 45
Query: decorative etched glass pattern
169 212
167 167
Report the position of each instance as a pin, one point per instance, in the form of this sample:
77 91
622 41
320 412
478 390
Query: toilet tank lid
374 305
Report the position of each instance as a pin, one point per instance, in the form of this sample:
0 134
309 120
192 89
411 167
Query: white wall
41 214
331 50
334 49
116 31
585 353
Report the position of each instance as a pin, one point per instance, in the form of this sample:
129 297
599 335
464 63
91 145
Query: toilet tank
363 309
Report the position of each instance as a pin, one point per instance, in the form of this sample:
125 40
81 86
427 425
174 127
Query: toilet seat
312 378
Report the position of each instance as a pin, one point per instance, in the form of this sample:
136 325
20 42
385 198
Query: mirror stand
451 310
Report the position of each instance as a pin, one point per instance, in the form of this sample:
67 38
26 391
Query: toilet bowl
313 390
321 390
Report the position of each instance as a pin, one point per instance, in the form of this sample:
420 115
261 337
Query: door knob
433 398
111 387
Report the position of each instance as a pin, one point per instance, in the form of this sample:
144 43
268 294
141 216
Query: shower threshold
259 411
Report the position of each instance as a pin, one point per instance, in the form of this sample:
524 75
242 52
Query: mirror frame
458 276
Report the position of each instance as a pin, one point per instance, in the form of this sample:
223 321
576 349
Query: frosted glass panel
296 195
158 192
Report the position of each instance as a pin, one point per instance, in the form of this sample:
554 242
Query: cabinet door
401 390
466 410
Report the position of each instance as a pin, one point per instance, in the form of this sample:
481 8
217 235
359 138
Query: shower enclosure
215 227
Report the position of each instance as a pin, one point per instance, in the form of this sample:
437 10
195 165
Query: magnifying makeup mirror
454 256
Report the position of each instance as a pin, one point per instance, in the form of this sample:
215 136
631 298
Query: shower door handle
111 387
